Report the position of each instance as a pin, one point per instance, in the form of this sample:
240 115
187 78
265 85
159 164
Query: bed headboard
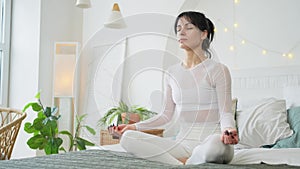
251 85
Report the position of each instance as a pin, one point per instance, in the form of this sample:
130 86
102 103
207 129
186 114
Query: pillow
294 121
263 124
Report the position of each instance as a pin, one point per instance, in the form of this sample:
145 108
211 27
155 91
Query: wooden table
107 139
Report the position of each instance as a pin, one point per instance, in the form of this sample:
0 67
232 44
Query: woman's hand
230 136
118 130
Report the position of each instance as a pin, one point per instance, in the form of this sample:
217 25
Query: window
5 21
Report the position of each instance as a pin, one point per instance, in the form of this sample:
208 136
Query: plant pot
130 118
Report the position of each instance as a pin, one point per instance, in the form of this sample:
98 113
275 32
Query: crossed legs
160 149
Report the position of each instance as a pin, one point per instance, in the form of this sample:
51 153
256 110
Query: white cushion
263 124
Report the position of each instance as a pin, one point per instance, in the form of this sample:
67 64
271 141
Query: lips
181 40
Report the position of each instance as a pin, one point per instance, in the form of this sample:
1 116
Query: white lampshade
64 69
116 19
83 3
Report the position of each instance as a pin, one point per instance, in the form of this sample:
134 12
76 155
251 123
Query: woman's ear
204 34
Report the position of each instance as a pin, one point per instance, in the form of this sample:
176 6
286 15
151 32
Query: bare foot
183 159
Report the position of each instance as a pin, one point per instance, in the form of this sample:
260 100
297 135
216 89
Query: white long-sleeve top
202 97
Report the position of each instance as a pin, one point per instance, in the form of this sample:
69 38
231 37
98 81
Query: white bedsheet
290 156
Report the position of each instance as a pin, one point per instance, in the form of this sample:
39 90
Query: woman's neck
192 59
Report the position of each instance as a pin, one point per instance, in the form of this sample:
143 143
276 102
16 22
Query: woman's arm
227 122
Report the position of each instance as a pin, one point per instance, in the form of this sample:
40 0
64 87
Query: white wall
36 25
24 67
264 25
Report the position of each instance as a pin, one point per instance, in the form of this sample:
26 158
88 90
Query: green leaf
65 132
36 142
26 107
91 130
29 128
86 143
80 144
62 149
80 118
53 145
36 107
38 95
41 115
38 123
47 112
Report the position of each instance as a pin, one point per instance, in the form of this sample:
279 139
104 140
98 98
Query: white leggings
164 150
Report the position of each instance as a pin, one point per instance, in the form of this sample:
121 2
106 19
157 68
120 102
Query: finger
226 141
123 130
222 137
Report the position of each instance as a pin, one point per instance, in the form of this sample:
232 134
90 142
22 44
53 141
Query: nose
181 32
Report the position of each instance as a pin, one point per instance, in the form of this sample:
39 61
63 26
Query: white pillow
263 124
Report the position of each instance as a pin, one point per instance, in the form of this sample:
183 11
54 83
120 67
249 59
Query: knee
126 137
216 151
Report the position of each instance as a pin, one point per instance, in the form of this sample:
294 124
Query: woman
199 89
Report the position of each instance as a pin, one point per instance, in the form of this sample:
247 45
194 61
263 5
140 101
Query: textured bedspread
91 159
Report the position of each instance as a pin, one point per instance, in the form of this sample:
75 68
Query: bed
89 159
258 91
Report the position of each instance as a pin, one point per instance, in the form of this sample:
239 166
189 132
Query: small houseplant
45 130
125 114
77 142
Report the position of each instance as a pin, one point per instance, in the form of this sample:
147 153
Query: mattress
89 159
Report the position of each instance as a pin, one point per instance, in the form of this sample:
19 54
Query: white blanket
290 156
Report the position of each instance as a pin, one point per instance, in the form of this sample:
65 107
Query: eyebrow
185 24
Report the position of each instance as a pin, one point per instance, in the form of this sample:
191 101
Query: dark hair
204 24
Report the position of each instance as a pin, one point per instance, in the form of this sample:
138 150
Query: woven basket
10 122
107 139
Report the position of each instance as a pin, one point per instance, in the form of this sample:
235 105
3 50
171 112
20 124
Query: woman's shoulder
216 67
217 64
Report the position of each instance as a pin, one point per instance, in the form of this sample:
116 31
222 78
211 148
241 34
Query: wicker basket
107 139
9 127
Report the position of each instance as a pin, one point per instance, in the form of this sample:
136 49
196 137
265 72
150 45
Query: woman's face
188 35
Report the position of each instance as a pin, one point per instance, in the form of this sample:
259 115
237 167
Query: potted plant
125 114
44 129
77 142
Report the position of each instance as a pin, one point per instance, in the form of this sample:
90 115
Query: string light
290 56
235 25
243 41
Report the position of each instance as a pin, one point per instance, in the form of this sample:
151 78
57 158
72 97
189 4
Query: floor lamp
64 69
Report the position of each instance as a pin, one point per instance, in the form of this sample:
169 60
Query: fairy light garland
244 41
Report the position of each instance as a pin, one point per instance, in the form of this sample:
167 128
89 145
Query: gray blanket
91 159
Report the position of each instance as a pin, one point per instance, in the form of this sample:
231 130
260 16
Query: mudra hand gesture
118 130
230 136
